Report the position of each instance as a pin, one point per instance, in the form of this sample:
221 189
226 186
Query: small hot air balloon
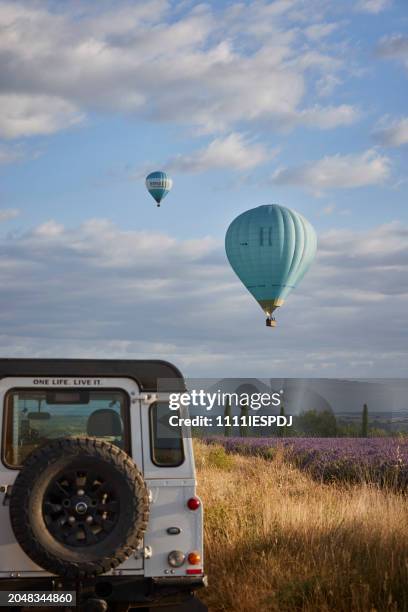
158 185
270 248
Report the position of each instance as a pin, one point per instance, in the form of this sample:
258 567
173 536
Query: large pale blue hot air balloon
158 185
270 248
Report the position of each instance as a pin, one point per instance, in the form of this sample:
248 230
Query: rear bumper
138 591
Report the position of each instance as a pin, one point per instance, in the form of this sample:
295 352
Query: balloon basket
270 323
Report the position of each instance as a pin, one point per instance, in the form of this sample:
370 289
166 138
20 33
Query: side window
166 441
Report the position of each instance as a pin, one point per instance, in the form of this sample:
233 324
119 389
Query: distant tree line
320 424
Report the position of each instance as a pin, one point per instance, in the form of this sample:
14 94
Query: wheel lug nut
89 519
71 519
80 492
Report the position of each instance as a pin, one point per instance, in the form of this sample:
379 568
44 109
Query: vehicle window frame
127 437
152 445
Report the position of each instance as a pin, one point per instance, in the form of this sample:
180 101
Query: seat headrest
104 422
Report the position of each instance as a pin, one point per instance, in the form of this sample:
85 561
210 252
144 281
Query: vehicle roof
146 372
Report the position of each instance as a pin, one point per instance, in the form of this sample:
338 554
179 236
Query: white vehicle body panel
170 487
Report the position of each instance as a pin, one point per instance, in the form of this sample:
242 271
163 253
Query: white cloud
200 68
394 47
8 213
320 117
337 172
232 152
96 290
392 133
373 6
385 245
11 154
320 30
329 209
49 229
28 115
329 117
326 84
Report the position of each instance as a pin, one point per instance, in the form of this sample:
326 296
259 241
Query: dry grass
278 541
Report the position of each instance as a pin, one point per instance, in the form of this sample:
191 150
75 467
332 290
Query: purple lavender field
383 461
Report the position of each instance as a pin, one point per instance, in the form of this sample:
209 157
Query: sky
301 103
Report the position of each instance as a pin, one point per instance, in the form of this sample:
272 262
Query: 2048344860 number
37 598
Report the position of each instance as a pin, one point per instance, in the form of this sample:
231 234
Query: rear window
166 441
33 417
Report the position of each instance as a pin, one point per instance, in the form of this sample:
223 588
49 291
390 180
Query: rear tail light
194 558
193 503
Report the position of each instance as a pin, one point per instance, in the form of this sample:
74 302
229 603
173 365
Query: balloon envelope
158 185
270 248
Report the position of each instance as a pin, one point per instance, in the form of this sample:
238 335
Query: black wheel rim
81 507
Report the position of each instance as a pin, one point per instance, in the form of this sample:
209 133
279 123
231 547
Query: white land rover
94 499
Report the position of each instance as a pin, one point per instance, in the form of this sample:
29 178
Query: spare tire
79 507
